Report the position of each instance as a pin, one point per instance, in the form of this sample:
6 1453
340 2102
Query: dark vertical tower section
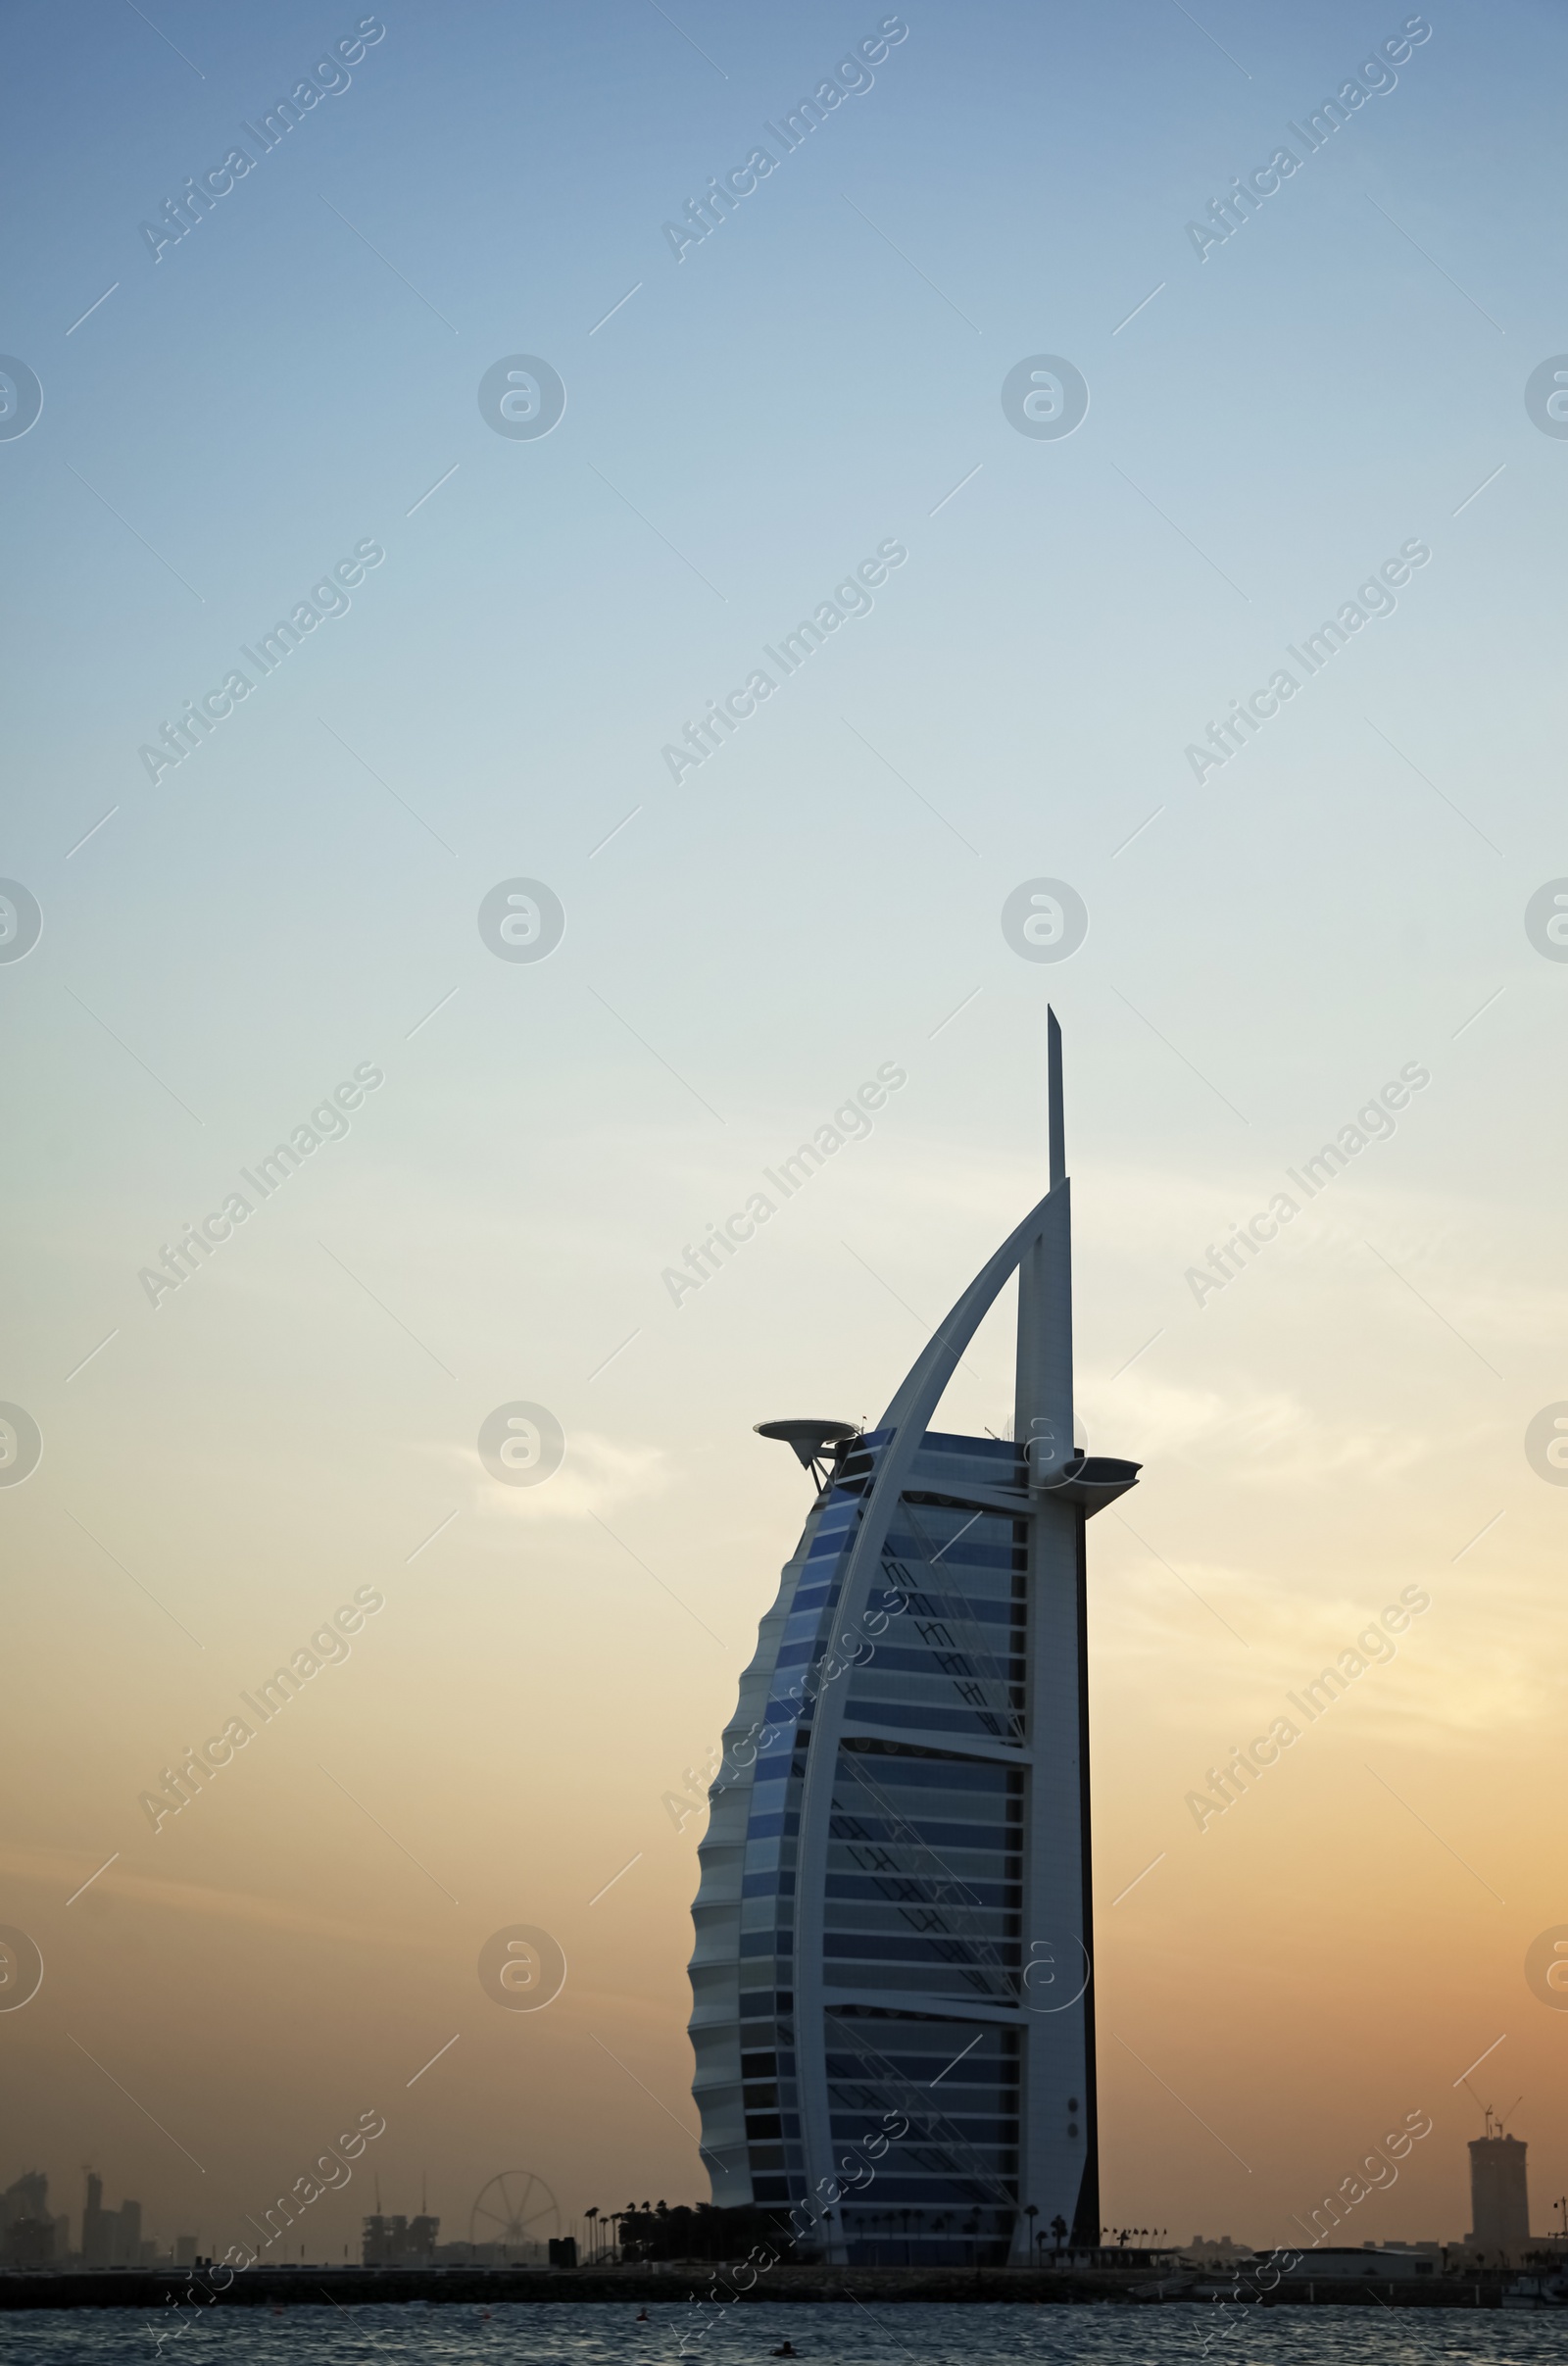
1085 2221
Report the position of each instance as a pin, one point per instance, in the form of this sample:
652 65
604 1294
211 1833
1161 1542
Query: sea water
848 2332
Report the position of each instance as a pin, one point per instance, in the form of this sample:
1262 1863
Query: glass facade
923 1893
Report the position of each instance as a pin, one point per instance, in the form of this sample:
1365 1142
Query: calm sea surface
587 2334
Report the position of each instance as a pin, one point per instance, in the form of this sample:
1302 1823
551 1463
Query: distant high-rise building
97 2226
383 2240
28 2233
27 2242
894 1929
109 2238
399 2242
185 2250
27 2197
1500 2201
127 2235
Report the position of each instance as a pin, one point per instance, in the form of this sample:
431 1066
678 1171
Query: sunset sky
294 383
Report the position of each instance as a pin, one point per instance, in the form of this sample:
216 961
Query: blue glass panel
917 1718
933 1602
768 1885
880 1887
892 1771
938 1835
910 2046
964 1552
915 1659
954 1951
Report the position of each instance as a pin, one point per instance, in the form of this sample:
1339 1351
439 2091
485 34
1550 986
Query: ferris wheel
515 2211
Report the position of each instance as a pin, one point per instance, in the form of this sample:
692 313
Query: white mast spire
1043 1403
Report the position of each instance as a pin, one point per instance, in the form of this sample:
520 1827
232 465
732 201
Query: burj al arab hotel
894 1924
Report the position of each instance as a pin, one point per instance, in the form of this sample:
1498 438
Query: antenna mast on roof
1055 1123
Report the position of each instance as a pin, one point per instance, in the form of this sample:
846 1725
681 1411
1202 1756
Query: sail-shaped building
894 1923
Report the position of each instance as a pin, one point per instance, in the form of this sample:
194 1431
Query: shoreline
698 2283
